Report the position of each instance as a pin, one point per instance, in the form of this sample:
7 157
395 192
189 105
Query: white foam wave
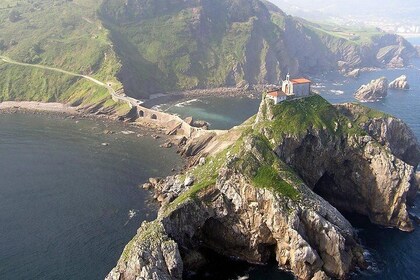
131 214
182 104
337 92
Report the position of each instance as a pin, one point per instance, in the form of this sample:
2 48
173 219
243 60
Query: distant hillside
388 9
167 45
171 45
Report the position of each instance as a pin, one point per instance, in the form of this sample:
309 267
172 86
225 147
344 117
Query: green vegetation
205 175
267 177
260 166
365 113
155 46
165 50
296 116
359 36
56 33
151 234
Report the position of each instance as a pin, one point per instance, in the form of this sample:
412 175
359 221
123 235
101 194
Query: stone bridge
173 124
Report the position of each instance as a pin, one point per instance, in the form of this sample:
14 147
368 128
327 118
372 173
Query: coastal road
116 97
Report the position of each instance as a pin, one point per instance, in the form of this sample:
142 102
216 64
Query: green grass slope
179 45
56 33
155 46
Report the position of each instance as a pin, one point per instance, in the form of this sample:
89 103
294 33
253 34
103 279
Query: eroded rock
248 203
375 90
399 83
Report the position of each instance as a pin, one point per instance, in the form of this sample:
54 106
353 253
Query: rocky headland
373 91
399 83
273 188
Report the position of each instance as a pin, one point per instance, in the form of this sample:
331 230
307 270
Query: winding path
129 100
171 122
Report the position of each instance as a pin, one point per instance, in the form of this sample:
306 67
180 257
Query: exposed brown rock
399 83
373 91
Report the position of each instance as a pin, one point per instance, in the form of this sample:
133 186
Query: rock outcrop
245 201
375 90
346 154
236 218
151 255
399 83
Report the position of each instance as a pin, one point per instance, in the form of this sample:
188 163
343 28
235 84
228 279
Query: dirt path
129 100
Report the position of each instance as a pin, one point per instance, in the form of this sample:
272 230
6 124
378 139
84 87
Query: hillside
356 9
62 34
162 46
177 44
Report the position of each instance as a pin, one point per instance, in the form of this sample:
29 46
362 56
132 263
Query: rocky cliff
399 83
175 45
261 195
237 215
359 160
373 91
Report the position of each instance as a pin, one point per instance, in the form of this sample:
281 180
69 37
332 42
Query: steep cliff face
256 198
248 214
172 45
357 164
381 50
151 255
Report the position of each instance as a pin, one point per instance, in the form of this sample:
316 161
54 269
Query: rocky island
273 188
399 83
375 90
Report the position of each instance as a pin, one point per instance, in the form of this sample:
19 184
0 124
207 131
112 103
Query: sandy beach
38 106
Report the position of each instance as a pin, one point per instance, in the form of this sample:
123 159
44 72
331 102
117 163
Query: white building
289 89
277 96
298 87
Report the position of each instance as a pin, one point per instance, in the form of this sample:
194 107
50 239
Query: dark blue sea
65 199
392 254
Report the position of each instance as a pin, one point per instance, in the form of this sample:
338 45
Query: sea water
69 196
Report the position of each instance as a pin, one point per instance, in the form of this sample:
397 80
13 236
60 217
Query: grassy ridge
155 46
57 33
359 36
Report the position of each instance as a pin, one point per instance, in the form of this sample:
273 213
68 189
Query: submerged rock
399 83
375 90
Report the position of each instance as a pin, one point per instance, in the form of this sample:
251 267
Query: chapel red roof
276 93
300 81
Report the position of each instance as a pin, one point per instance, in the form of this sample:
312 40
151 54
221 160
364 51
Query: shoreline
34 106
170 97
60 110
